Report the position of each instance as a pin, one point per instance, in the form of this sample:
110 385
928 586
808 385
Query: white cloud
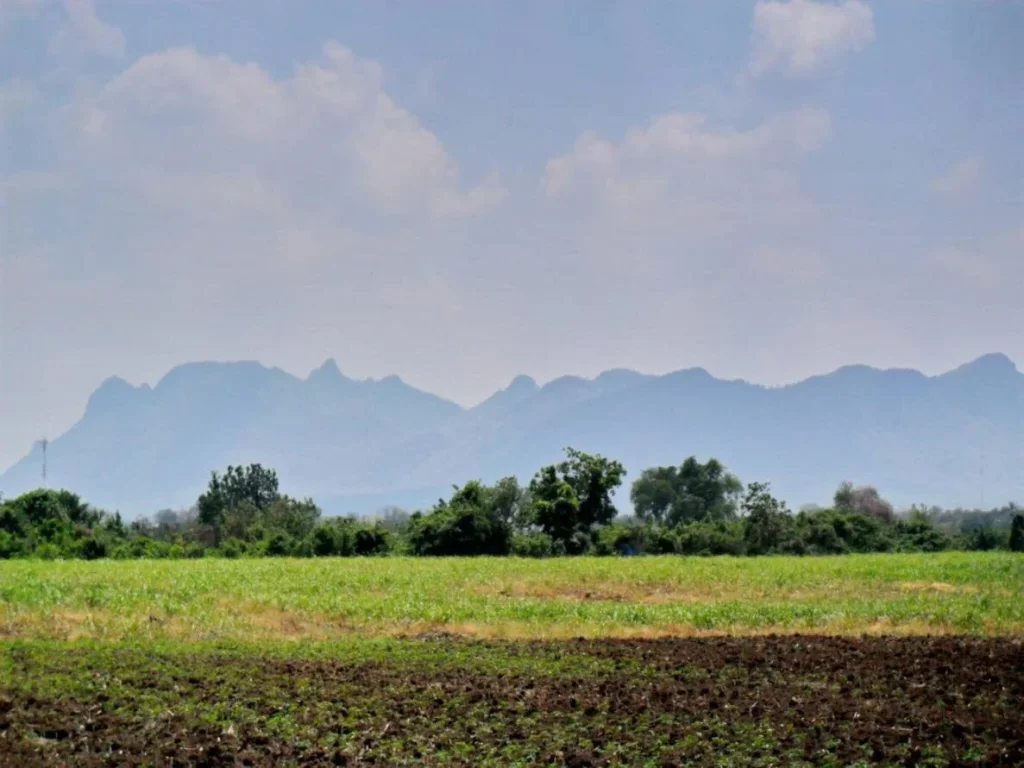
683 162
799 37
84 33
327 135
959 180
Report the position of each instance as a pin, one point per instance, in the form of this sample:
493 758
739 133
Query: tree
466 524
1017 534
241 490
692 491
510 502
767 525
568 499
864 499
555 507
294 517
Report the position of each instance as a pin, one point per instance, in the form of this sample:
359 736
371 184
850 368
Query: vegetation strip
282 598
567 509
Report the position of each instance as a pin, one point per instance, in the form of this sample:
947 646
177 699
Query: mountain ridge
351 443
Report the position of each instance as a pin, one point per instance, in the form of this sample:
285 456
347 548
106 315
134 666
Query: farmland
875 659
270 598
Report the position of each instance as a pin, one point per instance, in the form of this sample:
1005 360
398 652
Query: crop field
853 660
264 599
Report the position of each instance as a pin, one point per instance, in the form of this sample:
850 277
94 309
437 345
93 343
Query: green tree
294 517
568 499
691 491
242 491
767 524
510 503
466 524
919 534
1017 534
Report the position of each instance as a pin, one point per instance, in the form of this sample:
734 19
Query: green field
215 600
660 661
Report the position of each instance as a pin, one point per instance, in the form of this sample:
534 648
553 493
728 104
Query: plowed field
440 700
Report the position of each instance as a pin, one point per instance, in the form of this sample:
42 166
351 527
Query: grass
328 599
198 661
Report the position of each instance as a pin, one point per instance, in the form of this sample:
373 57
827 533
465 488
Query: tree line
567 508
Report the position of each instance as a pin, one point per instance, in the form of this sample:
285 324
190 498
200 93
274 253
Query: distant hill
356 446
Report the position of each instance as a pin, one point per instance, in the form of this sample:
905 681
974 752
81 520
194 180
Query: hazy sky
459 192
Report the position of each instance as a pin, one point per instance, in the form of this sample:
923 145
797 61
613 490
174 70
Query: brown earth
782 700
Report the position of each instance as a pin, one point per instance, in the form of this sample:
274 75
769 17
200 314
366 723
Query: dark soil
786 700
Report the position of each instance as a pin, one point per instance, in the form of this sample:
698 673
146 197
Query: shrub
620 539
710 538
122 552
371 540
195 551
1017 534
91 549
987 539
232 548
324 541
919 535
279 545
534 545
9 546
47 551
460 530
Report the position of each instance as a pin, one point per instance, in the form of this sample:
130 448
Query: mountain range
956 439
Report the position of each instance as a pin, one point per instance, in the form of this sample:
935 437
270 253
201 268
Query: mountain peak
328 370
991 366
619 377
522 384
111 394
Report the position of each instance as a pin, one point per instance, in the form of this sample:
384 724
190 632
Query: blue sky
459 192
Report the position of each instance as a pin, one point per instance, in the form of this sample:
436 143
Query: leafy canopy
689 492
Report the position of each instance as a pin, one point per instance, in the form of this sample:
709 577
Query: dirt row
785 700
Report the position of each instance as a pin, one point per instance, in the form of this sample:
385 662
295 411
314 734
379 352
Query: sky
462 191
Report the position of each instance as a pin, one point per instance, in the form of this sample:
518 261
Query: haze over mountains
355 446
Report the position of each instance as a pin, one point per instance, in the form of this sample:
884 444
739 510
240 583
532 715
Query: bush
279 545
461 530
987 539
535 545
710 538
121 552
303 548
324 541
621 539
375 540
91 549
48 551
1017 534
232 548
9 546
195 551
919 535
838 531
663 541
176 552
